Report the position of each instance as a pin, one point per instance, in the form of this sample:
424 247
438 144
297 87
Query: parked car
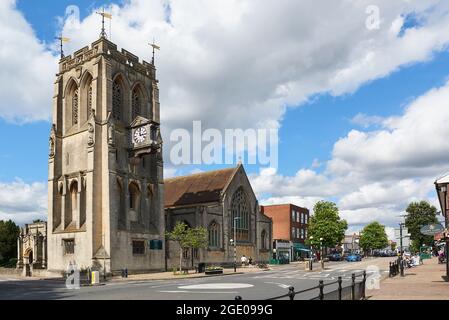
334 257
354 257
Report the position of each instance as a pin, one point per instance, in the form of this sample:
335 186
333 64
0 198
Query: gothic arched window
74 196
121 205
89 102
134 197
214 235
136 104
263 240
117 100
75 107
71 204
240 218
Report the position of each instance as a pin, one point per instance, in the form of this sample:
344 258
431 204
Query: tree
326 224
420 214
393 246
9 232
188 238
373 237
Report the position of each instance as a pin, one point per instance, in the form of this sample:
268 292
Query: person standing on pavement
243 260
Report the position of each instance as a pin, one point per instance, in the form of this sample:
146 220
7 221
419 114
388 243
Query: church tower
105 181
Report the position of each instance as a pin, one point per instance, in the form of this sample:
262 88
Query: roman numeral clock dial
140 135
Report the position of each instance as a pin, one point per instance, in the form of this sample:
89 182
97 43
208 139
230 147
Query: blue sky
315 66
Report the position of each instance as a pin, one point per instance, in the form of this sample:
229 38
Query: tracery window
136 104
240 218
263 239
75 107
117 100
214 235
89 102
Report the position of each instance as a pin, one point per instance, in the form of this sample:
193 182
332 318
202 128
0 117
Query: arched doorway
28 263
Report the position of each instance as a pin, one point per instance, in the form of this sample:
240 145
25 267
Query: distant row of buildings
290 233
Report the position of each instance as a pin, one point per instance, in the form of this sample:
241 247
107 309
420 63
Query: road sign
432 229
397 233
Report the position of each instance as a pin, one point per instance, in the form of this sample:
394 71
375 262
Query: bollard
321 290
340 288
291 293
364 285
353 286
402 268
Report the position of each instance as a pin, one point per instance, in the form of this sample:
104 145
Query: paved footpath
191 275
425 282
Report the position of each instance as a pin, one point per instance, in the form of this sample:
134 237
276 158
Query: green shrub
11 263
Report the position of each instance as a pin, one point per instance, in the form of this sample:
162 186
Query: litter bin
201 268
309 265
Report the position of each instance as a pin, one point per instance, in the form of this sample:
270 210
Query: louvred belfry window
89 101
136 104
117 101
75 108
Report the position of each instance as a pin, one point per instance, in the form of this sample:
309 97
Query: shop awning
300 247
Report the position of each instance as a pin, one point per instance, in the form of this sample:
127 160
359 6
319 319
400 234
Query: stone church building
106 187
105 184
218 201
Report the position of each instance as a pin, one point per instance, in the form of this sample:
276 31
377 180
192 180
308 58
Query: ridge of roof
194 175
203 187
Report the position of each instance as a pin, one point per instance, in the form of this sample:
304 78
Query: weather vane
103 16
62 40
155 47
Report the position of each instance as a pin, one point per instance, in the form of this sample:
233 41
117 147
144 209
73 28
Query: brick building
290 225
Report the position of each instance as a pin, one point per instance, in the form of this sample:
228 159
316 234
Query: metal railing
356 291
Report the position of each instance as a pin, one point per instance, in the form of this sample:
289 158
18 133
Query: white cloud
23 202
413 145
366 121
27 69
374 175
239 64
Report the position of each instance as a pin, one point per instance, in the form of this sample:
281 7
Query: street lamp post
311 253
401 225
234 241
322 253
446 224
441 187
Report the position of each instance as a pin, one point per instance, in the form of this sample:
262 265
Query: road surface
251 286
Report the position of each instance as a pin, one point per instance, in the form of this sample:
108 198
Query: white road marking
217 286
9 280
200 292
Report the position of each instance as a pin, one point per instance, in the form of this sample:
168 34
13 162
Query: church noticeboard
155 245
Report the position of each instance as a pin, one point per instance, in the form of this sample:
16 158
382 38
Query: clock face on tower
140 135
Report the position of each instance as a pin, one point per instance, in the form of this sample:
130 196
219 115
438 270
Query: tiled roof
197 188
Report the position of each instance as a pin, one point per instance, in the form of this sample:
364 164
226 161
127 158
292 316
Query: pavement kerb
124 280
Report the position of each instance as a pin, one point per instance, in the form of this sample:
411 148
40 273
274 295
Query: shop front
282 252
300 251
